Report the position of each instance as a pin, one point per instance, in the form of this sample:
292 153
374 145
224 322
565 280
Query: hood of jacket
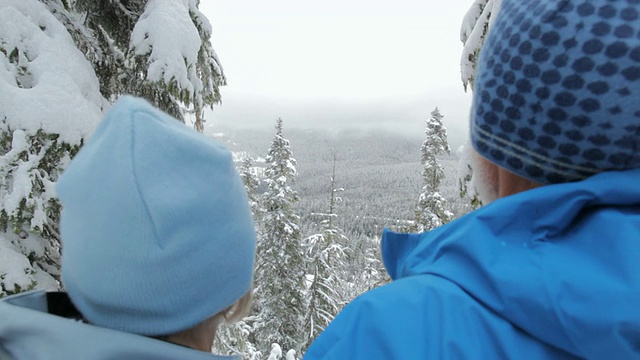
28 331
561 262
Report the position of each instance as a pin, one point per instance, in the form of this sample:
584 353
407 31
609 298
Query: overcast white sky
340 63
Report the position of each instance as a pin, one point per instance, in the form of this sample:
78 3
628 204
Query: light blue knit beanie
557 95
156 229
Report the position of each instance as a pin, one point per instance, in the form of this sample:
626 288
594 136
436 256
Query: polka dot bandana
557 94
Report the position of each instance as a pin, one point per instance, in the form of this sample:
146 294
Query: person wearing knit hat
549 268
158 247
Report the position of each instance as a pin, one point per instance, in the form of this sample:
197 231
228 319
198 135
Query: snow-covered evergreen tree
280 268
473 32
156 49
61 63
326 254
431 211
49 102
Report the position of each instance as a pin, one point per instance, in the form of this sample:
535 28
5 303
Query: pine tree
431 211
326 253
280 269
473 32
47 108
136 49
88 53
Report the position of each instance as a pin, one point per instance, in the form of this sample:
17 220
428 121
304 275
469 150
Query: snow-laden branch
166 34
473 32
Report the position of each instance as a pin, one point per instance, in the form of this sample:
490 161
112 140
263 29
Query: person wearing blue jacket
551 268
158 248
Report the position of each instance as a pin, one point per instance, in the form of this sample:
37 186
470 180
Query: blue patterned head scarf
557 94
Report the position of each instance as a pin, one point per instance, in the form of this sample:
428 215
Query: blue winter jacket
551 273
29 332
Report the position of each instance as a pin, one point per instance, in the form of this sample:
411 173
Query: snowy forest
320 201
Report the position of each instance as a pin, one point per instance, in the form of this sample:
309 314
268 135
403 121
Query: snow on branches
166 34
61 63
157 49
475 27
50 101
171 41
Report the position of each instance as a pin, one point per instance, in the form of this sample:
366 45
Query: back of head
556 97
156 228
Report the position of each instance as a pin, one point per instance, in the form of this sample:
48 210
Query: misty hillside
379 172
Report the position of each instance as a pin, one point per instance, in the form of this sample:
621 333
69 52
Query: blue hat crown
156 229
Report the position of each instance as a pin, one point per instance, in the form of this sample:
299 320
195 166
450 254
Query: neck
510 183
495 182
199 337
201 343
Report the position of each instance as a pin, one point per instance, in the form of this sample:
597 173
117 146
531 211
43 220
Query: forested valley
343 189
379 171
